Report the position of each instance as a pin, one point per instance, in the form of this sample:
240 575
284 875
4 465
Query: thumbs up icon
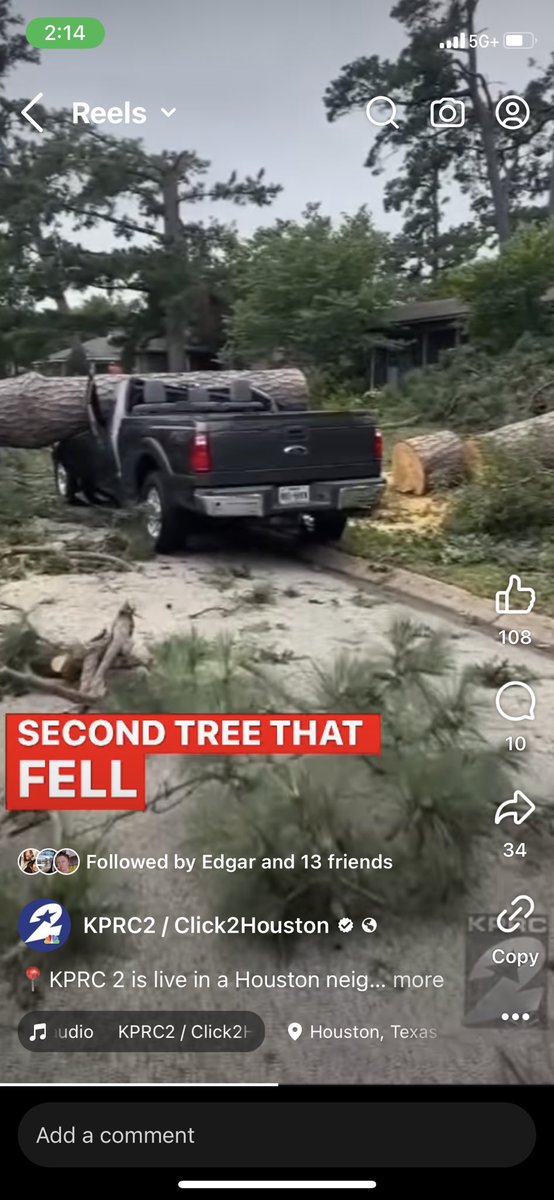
515 593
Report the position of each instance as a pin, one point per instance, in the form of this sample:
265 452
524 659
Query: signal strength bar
456 43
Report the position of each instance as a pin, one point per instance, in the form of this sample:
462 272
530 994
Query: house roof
98 349
448 309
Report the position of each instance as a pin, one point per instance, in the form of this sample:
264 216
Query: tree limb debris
105 650
77 673
68 552
38 683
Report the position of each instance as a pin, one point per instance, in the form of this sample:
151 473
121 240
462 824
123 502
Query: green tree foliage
425 801
309 290
177 266
14 49
77 361
508 295
473 389
512 498
73 179
71 182
505 174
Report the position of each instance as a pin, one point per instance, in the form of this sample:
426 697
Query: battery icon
519 41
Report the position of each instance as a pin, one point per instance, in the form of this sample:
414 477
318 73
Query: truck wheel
162 522
326 527
67 485
89 492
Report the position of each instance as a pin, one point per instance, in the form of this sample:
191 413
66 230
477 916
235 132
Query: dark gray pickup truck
190 454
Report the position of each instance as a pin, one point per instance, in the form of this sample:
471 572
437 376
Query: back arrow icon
25 111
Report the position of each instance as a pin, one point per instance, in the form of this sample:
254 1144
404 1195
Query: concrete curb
425 590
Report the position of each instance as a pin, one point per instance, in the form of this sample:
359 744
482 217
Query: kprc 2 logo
44 925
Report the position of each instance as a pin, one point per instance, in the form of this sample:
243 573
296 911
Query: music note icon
40 1030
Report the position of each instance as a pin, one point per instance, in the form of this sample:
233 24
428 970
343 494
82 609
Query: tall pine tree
507 175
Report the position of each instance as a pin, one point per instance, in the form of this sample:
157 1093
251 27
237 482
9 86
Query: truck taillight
378 445
200 454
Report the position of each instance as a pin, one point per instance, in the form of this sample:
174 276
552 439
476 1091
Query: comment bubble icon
516 701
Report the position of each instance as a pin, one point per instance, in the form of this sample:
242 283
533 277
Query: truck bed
252 448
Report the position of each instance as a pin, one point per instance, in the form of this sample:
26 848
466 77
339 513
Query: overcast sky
247 79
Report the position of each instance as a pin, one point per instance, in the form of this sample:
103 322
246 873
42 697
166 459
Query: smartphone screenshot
276 593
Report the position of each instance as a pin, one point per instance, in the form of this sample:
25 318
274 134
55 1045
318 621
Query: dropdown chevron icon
168 112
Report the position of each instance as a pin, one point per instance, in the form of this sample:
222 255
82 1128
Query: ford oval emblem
295 450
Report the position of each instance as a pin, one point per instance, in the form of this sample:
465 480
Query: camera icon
448 113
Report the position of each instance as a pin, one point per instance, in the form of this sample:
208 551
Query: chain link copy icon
509 920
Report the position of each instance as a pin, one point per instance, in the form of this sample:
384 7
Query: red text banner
97 761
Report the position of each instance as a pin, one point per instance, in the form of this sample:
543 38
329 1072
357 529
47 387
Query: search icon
381 101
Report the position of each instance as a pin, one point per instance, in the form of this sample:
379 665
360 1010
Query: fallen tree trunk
36 410
427 463
512 437
288 386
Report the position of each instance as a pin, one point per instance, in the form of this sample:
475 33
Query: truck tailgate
289 448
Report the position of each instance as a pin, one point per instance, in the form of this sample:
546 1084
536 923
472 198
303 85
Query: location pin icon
294 1030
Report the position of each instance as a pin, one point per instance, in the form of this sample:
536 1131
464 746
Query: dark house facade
417 334
151 358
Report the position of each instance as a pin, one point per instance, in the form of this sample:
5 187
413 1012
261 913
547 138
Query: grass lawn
481 570
407 532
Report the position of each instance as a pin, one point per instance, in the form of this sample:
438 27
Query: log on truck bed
36 410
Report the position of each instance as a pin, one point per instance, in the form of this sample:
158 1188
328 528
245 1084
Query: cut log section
428 463
37 411
512 437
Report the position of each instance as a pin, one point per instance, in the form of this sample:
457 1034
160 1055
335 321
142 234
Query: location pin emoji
294 1030
32 973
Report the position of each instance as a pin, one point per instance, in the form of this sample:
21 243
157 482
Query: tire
325 527
162 521
66 484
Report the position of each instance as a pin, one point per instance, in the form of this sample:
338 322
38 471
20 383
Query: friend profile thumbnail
45 861
67 862
49 861
27 861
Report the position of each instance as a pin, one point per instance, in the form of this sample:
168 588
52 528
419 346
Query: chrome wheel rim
153 513
62 481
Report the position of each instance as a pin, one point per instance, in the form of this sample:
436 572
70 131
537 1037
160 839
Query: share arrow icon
519 807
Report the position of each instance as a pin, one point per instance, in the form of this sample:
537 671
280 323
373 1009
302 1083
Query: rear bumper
344 495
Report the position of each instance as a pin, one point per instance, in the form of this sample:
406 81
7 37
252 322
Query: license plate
294 495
